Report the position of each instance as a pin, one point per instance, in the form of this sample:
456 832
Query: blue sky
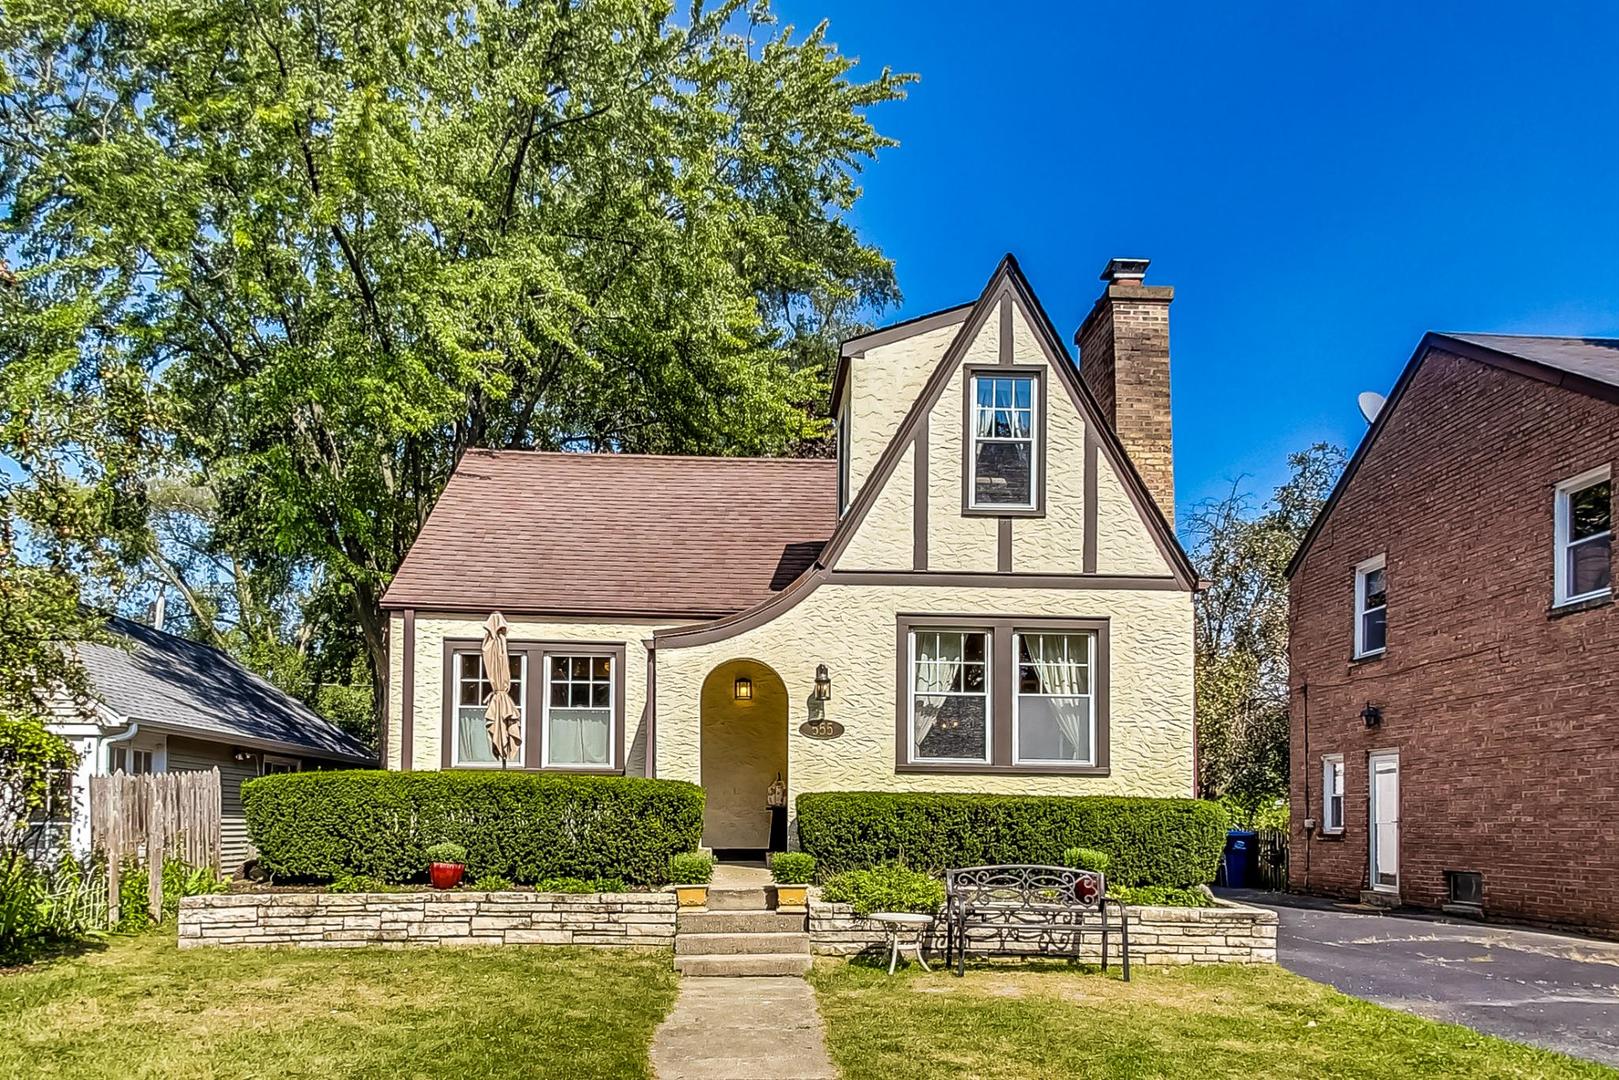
1322 182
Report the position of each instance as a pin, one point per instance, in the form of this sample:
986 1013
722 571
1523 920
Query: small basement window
1584 537
1466 887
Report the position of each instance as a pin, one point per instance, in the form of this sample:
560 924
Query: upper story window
949 695
1584 537
1005 460
1371 608
472 747
1332 793
579 711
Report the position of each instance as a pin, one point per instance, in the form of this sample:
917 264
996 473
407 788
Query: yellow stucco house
983 592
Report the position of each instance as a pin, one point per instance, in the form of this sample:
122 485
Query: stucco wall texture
852 628
431 679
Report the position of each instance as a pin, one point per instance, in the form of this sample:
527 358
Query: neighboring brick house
1453 642
980 594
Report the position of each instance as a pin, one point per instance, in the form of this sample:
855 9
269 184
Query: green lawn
142 1008
1048 1020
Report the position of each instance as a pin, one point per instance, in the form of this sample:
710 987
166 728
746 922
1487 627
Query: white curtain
472 737
938 671
579 736
1062 664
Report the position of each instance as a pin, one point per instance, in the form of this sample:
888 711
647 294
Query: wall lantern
744 688
1372 715
239 754
823 683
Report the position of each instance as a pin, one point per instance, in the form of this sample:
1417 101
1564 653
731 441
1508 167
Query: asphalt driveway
1552 990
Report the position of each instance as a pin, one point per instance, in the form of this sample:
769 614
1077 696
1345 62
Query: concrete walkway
743 1029
1554 990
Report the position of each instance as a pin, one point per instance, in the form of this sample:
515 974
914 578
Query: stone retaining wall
1227 934
349 920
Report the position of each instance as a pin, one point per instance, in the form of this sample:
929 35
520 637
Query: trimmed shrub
792 868
1159 896
885 888
1084 858
318 826
691 868
1147 841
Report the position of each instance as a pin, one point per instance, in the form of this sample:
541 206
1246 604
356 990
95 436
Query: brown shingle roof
617 534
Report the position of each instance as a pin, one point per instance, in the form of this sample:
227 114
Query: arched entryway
744 750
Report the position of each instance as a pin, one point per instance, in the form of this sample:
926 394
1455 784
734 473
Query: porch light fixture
241 755
743 690
823 683
1372 715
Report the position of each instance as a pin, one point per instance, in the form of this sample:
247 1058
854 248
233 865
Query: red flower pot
445 875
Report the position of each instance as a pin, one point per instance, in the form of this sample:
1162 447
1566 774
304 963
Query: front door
1384 773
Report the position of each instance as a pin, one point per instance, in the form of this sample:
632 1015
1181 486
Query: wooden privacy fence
150 818
1270 860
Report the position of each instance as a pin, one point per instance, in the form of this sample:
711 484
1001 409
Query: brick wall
1505 713
352 920
1227 934
1124 359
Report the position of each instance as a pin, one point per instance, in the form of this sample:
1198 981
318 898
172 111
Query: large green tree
343 242
1240 629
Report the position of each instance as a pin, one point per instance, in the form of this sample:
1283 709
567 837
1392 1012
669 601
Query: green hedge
1147 841
317 826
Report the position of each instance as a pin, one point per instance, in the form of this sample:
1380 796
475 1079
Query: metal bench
1048 901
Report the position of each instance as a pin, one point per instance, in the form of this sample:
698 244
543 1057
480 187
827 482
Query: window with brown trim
1003 440
569 694
471 748
1001 694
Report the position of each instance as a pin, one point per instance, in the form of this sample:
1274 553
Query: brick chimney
1124 359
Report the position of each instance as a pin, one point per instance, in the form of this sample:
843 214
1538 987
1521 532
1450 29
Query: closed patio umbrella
501 716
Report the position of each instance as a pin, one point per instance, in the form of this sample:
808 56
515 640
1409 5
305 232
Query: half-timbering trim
1088 556
407 690
968 579
919 500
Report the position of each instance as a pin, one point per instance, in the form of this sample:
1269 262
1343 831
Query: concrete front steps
741 934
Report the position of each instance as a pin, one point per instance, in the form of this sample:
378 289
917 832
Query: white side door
1383 770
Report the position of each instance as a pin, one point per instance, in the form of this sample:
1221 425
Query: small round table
897 921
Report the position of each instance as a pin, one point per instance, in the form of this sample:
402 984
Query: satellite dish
1371 403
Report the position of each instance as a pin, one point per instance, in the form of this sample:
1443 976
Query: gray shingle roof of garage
177 684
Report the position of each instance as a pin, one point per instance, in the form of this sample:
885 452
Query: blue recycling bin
1240 848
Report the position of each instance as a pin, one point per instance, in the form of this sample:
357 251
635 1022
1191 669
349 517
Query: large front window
579 710
1004 454
1053 716
1584 537
472 690
949 695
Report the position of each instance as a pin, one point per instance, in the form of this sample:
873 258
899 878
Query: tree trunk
374 632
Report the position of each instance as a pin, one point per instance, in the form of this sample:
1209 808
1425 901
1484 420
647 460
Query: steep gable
1092 515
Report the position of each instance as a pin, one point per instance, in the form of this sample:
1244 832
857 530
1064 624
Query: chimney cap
1125 269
